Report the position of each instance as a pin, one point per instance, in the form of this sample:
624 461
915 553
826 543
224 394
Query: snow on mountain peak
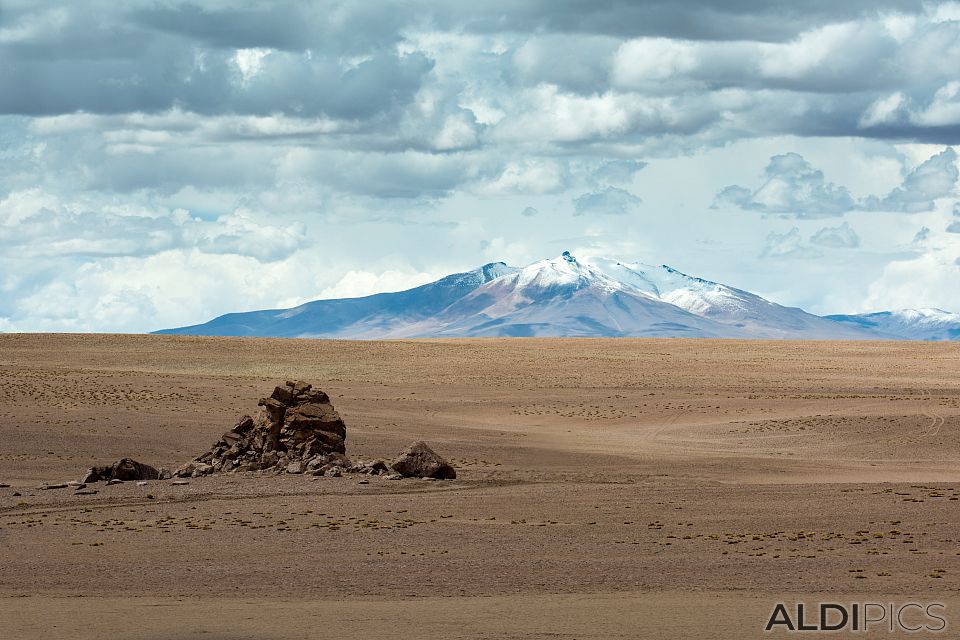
926 316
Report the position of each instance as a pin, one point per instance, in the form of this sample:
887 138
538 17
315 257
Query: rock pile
297 430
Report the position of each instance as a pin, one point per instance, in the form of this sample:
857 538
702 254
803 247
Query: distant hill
569 296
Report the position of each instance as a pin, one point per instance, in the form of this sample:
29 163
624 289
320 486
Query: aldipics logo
859 616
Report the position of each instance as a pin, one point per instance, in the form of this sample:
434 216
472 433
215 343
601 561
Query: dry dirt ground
607 488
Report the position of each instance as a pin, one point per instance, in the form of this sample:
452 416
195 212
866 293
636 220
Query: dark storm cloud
774 20
209 83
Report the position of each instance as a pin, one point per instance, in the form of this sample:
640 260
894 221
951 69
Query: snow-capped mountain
908 324
562 296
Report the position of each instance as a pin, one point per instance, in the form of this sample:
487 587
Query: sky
165 162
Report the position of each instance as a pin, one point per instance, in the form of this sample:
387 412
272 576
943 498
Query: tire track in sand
928 409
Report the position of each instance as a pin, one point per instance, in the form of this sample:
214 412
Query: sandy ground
607 488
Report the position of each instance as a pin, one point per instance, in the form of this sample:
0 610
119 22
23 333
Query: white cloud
21 205
884 110
533 176
933 179
794 188
930 280
788 245
608 200
841 237
641 62
457 132
162 290
944 109
250 62
791 187
356 283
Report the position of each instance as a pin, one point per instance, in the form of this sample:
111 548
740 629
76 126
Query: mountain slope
369 317
744 313
908 324
563 296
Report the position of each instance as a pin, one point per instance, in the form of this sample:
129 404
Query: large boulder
420 461
125 469
296 429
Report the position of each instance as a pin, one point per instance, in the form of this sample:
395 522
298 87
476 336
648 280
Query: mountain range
568 296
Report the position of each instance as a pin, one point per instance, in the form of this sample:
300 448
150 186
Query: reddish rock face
296 428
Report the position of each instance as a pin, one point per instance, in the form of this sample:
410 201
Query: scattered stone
420 461
394 476
114 481
59 485
373 468
297 430
124 469
85 492
335 472
142 483
75 484
3 485
15 493
364 481
295 467
179 483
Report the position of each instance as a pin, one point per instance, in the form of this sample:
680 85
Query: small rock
202 469
295 467
364 481
231 437
3 485
15 493
333 473
420 461
114 481
76 485
85 492
179 483
394 476
59 485
142 483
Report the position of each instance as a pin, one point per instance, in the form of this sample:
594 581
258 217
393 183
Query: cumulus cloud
928 280
609 200
37 225
794 188
933 179
791 187
617 171
356 283
954 227
533 176
842 237
788 245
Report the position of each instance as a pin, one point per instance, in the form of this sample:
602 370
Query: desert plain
606 488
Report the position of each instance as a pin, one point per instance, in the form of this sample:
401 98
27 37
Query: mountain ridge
567 296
